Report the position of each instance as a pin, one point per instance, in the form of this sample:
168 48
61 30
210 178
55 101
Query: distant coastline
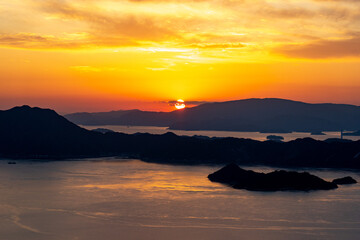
221 134
268 115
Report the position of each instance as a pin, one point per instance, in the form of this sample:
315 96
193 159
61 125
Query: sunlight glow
180 104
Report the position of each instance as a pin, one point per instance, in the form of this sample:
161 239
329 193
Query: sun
180 104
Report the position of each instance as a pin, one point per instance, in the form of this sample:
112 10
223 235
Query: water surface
129 199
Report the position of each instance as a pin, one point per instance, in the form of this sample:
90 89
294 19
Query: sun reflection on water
155 184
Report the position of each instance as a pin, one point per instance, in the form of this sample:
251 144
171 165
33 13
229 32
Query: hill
38 133
251 115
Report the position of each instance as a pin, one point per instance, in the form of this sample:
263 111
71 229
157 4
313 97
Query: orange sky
100 55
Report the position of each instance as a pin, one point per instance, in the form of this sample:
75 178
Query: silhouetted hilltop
41 133
269 115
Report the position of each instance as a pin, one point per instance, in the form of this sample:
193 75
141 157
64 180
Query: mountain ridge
248 115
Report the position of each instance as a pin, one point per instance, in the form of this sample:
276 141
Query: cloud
94 69
30 40
189 103
206 26
144 1
85 68
323 49
157 69
130 26
286 12
36 41
98 28
217 45
344 1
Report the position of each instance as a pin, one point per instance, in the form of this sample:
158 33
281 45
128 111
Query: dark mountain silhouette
42 134
264 115
36 132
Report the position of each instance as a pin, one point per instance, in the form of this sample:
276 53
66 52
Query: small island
275 138
102 130
239 178
317 133
344 180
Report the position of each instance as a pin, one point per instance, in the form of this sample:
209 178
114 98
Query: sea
128 199
251 135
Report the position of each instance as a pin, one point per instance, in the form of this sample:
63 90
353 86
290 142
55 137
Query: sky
101 55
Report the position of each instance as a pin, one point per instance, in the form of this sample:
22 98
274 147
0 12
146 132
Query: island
282 180
102 130
344 180
275 138
317 133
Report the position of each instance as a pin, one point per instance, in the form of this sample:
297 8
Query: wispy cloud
188 103
177 26
217 45
323 49
101 22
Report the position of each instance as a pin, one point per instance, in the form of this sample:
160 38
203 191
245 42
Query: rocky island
344 180
281 180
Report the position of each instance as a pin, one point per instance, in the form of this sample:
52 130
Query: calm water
252 135
130 199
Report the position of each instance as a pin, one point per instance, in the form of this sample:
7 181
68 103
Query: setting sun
180 104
